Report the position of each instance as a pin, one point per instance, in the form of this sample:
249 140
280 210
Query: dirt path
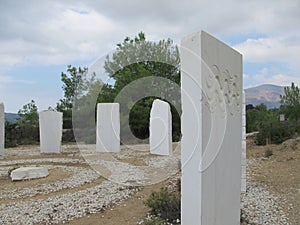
129 212
281 173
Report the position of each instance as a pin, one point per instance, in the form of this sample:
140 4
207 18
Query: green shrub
268 153
276 133
24 134
165 204
155 221
68 135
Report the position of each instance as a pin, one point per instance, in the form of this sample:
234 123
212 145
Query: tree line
267 121
133 59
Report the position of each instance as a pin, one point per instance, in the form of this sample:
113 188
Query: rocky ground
273 183
83 188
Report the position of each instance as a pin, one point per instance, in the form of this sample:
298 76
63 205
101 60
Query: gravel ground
79 176
259 206
58 208
64 207
44 160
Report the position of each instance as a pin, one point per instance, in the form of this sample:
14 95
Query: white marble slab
160 128
50 131
2 123
108 127
244 144
211 123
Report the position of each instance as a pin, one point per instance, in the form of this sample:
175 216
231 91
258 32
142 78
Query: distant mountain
11 117
267 94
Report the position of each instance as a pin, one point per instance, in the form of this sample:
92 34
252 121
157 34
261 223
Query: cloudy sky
38 39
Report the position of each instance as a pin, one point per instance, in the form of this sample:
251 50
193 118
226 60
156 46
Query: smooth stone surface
26 173
243 155
50 131
243 172
243 185
2 122
160 128
211 123
108 127
244 160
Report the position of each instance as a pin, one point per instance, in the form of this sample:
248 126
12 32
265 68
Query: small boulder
27 173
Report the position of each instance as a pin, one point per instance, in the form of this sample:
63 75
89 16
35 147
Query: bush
155 221
68 135
165 204
276 133
15 134
268 153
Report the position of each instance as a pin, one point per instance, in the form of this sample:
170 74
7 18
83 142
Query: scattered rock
27 173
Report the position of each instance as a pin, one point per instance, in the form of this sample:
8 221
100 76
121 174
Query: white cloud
67 36
53 32
246 76
274 49
267 77
7 80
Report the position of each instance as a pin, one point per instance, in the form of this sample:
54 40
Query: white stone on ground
27 173
78 176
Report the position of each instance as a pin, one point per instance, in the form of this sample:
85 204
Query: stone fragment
27 173
160 128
